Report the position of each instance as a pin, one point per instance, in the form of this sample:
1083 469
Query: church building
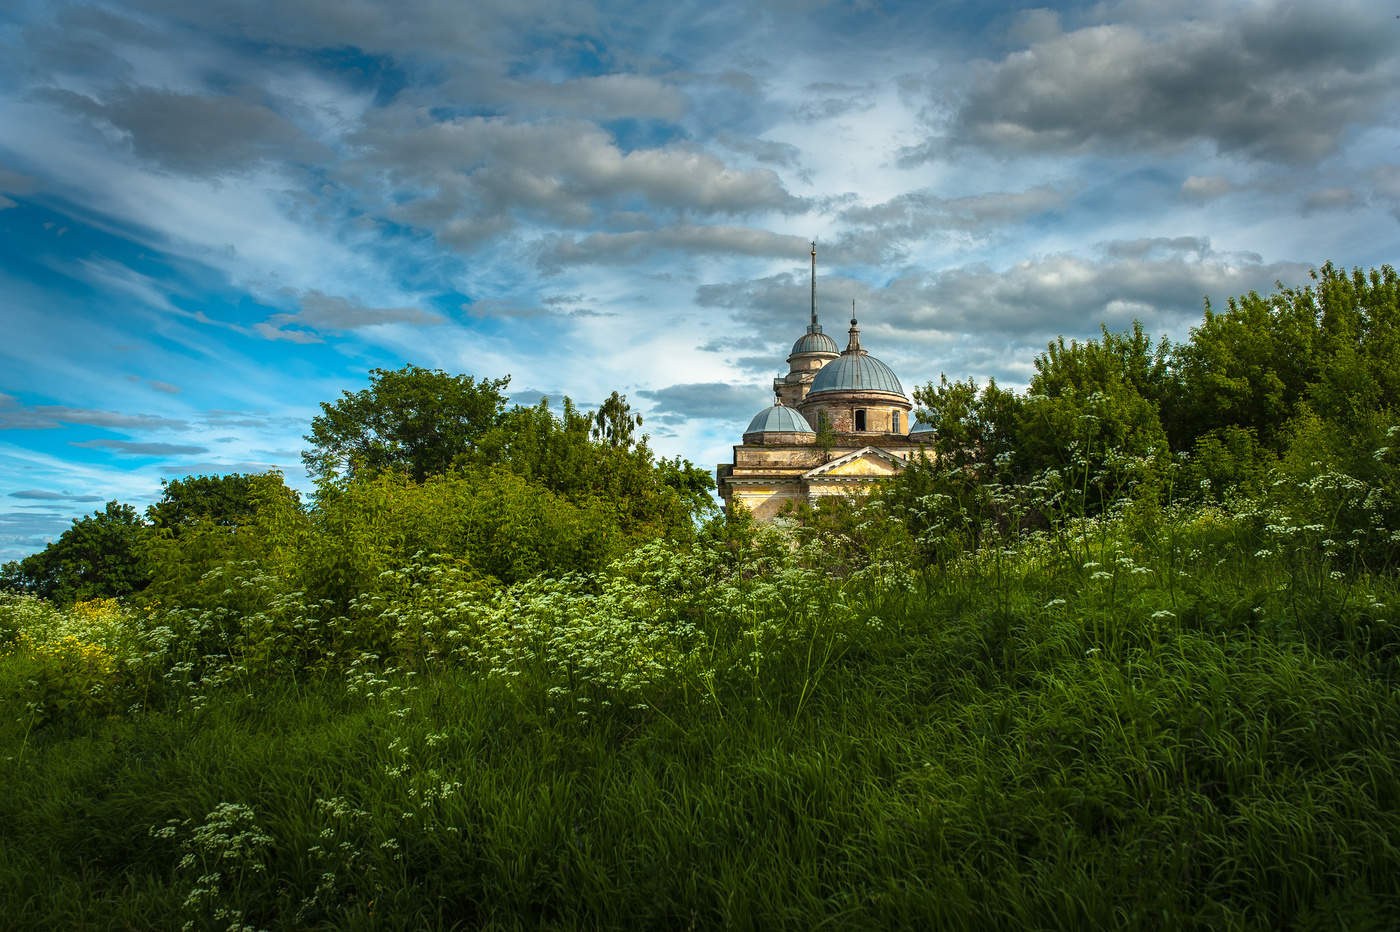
869 437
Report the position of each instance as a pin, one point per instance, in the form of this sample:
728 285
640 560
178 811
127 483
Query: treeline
1277 398
421 461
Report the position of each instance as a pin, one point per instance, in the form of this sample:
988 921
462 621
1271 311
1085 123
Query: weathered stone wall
766 502
840 409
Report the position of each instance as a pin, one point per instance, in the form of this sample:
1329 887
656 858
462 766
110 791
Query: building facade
840 422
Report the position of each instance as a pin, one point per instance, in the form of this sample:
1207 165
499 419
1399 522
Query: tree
100 556
614 423
414 420
694 485
826 435
222 501
970 425
203 522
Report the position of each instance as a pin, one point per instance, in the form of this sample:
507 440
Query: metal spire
815 328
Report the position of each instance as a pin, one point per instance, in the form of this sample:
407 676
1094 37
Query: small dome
814 342
855 372
920 428
779 418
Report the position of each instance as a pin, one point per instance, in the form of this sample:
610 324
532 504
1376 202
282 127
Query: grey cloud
141 448
1205 187
1386 180
763 150
505 308
163 387
774 363
39 495
596 97
463 32
332 312
259 420
469 179
191 133
17 416
911 215
616 248
1031 26
26 532
12 182
1385 187
1325 199
830 107
273 329
1277 82
700 400
1197 246
729 344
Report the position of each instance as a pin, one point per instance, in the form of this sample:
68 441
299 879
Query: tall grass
1185 719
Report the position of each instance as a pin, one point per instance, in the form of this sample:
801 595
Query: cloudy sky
215 215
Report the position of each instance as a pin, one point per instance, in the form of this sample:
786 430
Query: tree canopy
414 420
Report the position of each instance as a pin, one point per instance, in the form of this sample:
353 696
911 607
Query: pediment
867 462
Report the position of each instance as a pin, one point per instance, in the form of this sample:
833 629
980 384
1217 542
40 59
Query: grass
1009 743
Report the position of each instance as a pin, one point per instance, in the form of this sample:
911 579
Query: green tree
203 522
970 425
694 485
222 501
614 423
414 420
826 435
101 555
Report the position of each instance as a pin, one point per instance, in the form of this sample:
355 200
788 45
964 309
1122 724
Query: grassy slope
986 756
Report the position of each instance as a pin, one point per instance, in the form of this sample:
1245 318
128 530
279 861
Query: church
839 423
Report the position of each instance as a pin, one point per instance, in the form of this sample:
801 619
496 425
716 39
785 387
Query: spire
854 345
815 327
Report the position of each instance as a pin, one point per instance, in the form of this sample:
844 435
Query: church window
894 423
860 420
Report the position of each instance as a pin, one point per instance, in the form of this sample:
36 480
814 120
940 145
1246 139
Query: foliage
614 423
100 555
419 421
229 501
1332 345
248 518
970 425
753 728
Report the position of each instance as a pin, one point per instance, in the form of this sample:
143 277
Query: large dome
779 418
814 342
854 372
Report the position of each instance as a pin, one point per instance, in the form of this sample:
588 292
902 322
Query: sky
215 216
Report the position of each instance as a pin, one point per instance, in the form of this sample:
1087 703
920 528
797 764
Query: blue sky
214 216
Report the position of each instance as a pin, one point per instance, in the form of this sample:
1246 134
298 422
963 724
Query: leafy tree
970 425
101 555
418 421
826 435
222 501
614 423
694 485
203 522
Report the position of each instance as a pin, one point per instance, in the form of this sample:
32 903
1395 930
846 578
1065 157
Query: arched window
860 419
894 422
